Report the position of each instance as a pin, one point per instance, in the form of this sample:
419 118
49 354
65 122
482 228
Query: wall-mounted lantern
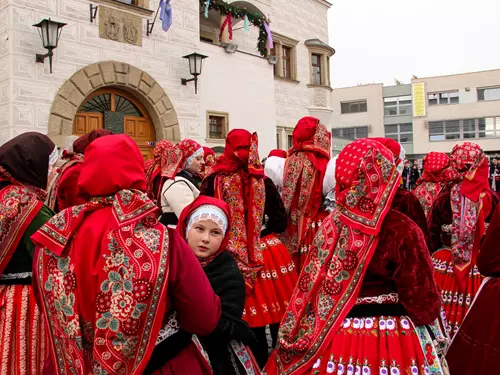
50 32
195 61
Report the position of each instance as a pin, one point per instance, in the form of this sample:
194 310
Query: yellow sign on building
419 99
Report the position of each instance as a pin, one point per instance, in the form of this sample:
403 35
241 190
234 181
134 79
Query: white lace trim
14 276
381 299
170 329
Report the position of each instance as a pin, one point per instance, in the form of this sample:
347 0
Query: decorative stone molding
83 83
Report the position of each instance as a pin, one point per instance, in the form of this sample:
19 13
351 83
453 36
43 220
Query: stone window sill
128 7
216 140
320 87
286 79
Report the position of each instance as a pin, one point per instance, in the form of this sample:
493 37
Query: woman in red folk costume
154 168
25 164
274 167
435 179
238 179
63 190
107 273
302 186
209 157
457 224
404 201
475 348
366 282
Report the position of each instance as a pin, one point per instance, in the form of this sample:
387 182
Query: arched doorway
118 111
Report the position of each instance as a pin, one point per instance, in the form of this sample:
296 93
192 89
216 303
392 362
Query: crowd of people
356 264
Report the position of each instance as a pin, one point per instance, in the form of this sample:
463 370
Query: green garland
254 18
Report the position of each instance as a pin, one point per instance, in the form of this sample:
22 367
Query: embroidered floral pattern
128 297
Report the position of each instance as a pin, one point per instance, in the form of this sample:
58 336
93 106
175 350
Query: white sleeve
176 195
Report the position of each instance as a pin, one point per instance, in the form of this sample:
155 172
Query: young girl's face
205 238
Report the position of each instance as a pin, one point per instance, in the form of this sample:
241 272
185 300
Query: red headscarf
111 251
209 160
81 144
469 215
367 181
303 178
203 200
397 150
278 153
239 181
437 175
154 175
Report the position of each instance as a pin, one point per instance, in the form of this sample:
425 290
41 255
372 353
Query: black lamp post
195 61
50 32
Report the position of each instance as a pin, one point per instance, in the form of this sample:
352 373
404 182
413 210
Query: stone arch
112 74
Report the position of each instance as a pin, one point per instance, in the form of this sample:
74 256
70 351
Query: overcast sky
379 40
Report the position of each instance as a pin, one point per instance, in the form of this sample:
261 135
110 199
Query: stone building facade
236 90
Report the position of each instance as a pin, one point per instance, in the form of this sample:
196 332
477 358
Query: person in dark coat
204 224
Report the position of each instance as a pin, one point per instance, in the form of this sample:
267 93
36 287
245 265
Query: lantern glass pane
53 30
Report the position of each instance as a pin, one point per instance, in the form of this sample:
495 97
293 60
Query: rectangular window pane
453 97
362 132
336 133
353 107
433 99
405 109
290 141
287 69
452 126
443 98
391 111
492 93
391 129
216 127
316 69
344 107
469 125
390 102
453 136
406 128
393 136
363 107
469 135
406 137
405 100
349 133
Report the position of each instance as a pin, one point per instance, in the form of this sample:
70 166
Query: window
353 107
287 62
403 133
441 98
491 93
356 132
278 141
319 62
464 129
316 69
398 105
289 141
285 50
217 125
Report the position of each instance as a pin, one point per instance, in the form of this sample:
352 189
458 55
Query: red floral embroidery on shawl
328 286
303 174
130 302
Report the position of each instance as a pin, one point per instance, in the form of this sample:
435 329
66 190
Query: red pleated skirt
455 303
274 286
23 337
300 257
371 346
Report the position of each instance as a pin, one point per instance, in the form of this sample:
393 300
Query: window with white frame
475 128
403 133
355 132
488 93
319 61
398 106
443 98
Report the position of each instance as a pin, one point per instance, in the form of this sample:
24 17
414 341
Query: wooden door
142 132
86 122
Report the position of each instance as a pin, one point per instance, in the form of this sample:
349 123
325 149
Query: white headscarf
208 212
329 182
274 169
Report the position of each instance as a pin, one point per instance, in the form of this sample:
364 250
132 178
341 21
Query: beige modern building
431 114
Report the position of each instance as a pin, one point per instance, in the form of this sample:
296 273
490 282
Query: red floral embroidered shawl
468 220
18 207
330 281
434 179
209 156
303 178
239 181
110 250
